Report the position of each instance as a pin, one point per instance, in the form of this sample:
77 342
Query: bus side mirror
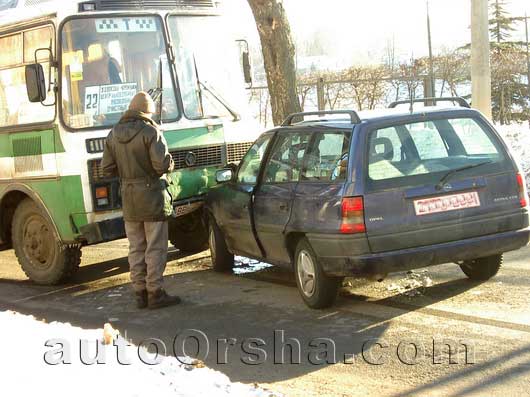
247 68
35 83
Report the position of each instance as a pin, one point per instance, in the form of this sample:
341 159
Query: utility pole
432 90
527 51
480 57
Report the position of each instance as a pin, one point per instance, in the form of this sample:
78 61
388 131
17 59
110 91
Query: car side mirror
35 83
223 176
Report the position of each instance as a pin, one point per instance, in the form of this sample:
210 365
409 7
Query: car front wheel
317 290
483 268
222 259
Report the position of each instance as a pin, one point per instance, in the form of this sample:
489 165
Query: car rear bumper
413 258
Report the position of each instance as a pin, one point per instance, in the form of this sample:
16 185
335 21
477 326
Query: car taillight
352 215
522 195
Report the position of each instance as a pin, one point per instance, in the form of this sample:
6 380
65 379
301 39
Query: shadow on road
231 311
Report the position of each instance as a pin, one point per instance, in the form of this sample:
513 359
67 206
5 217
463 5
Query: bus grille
109 5
202 157
236 151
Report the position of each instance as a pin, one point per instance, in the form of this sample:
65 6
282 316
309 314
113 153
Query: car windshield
430 151
105 62
210 77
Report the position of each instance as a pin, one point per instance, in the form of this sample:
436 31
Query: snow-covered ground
517 136
24 371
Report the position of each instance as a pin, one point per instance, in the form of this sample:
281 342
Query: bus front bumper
99 232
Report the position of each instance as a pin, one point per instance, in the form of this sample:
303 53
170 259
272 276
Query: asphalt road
381 339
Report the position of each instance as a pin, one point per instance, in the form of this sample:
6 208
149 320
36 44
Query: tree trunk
278 54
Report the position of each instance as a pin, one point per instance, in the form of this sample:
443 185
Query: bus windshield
105 62
210 77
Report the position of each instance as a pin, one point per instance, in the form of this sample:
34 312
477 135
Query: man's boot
141 299
160 298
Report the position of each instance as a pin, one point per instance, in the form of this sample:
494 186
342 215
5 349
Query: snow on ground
23 368
517 136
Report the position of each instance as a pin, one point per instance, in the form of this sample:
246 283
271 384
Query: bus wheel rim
38 242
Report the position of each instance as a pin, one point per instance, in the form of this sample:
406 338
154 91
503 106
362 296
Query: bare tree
278 55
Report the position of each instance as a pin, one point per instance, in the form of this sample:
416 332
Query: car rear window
421 153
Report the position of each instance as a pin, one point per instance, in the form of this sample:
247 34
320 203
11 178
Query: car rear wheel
317 290
483 268
222 259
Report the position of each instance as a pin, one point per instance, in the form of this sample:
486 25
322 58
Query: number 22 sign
92 100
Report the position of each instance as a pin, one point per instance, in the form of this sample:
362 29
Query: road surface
381 339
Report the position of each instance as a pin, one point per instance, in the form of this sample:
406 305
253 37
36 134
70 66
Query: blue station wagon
369 195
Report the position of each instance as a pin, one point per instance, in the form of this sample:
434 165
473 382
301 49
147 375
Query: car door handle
284 207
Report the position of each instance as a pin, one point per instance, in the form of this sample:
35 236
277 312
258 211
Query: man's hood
126 132
130 125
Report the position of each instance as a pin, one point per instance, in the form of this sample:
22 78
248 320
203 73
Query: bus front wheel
42 256
188 233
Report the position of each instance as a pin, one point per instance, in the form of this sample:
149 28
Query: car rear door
274 196
406 205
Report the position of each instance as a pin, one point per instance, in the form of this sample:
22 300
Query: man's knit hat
142 102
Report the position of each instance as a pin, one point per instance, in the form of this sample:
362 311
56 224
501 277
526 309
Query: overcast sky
361 29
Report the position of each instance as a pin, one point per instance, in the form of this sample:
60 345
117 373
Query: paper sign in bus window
106 99
124 25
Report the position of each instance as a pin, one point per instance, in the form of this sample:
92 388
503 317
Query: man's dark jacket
137 152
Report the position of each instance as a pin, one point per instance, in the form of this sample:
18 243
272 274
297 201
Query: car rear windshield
423 152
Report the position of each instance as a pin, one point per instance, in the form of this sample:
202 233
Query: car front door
274 195
236 221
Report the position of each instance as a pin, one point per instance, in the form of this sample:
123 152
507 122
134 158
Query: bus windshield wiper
450 173
219 99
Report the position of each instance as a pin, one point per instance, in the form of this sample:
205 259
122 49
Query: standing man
137 152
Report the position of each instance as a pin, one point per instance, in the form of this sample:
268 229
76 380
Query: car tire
483 268
317 290
42 256
222 259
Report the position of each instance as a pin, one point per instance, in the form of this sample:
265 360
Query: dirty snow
24 370
413 284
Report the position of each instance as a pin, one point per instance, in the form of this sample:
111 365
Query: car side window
285 163
251 162
327 161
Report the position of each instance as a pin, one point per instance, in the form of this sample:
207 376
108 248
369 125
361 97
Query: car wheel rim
306 273
211 241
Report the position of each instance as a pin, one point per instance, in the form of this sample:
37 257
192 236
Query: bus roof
19 11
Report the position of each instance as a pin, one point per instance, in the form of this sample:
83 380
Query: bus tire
188 235
43 257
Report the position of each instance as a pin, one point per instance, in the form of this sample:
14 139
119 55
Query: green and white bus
67 72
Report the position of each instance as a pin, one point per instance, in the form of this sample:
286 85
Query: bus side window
18 50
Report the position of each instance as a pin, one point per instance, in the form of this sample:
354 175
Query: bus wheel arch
36 241
8 205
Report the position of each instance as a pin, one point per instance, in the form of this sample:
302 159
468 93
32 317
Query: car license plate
446 203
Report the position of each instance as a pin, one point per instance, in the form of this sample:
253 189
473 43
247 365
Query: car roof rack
354 117
461 102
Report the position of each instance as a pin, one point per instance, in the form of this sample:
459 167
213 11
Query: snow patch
25 371
517 137
413 284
